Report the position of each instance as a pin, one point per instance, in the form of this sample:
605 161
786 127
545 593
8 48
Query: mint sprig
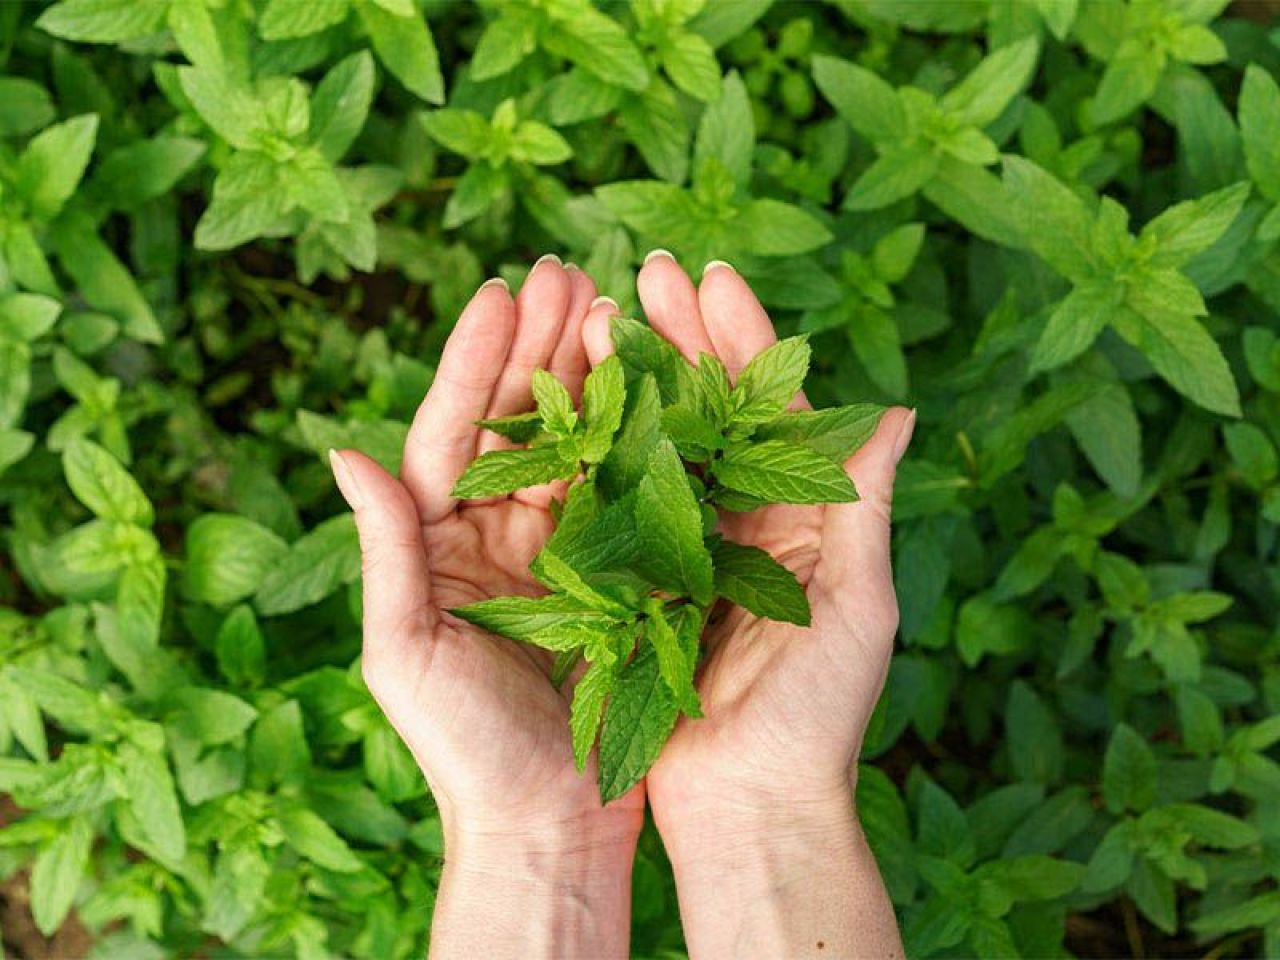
635 564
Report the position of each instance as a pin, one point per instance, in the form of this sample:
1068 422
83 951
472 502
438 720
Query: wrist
560 887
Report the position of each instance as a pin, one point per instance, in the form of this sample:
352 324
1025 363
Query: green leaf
557 574
674 666
104 21
1127 82
517 427
104 486
784 473
58 872
524 618
751 578
836 433
597 43
229 108
210 717
771 228
695 437
1075 324
1184 353
51 166
283 19
1054 222
228 557
240 648
555 406
1034 737
341 103
980 98
464 132
1128 771
539 144
691 64
134 174
153 799
770 381
895 175
726 130
316 565
643 351
104 281
587 710
249 197
1187 228
1259 121
24 107
505 471
317 841
604 395
637 722
896 251
669 526
1107 429
865 100
405 47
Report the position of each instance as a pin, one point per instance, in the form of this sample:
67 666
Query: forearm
551 896
799 883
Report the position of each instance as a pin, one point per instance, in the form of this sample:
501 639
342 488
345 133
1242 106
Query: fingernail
658 252
547 258
572 268
495 282
904 436
345 479
601 301
713 264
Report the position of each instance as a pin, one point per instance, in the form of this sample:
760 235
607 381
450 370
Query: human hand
478 712
785 707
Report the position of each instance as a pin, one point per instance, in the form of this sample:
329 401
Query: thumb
398 615
855 536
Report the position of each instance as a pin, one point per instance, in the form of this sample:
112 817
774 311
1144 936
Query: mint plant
635 564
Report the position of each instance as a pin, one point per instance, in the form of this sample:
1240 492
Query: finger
596 337
855 536
541 306
398 615
671 304
736 322
569 361
442 440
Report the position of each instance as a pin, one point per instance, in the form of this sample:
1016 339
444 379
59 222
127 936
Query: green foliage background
234 233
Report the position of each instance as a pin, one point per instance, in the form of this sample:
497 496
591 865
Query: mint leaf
982 96
783 473
505 471
637 722
51 166
770 381
523 618
836 433
751 578
864 99
1182 352
555 406
104 486
674 665
316 565
643 351
587 710
669 527
1259 121
628 458
556 574
695 437
516 427
1187 228
1075 324
604 396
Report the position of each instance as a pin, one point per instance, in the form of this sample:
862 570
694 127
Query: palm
478 712
782 703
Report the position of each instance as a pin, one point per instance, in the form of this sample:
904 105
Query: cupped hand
478 712
785 707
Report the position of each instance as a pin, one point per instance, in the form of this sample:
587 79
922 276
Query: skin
754 802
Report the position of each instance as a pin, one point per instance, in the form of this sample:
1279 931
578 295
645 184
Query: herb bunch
635 565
